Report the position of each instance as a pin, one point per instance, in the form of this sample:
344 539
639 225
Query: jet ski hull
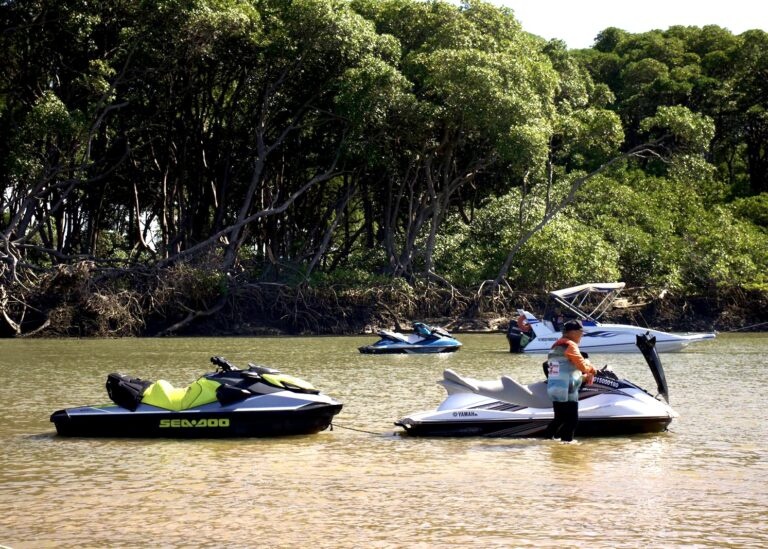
151 422
532 428
403 349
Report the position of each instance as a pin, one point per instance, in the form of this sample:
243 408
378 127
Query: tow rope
357 430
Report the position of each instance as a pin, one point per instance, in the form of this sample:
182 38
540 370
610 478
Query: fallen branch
194 315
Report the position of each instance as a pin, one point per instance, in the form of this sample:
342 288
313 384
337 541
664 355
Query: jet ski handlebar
223 364
607 372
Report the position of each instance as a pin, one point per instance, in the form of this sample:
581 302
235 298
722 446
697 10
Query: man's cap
572 325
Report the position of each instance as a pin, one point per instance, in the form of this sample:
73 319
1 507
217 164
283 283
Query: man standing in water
567 370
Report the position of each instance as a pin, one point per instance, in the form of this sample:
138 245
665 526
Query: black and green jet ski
230 402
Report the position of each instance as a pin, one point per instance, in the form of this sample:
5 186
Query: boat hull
611 338
151 422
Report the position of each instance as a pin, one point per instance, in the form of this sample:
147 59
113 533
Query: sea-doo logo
464 414
205 422
608 382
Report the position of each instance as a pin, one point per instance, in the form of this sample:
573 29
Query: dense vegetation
164 161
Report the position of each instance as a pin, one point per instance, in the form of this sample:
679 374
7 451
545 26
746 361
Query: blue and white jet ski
505 408
425 339
230 402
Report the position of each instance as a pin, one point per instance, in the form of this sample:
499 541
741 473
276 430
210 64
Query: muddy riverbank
75 303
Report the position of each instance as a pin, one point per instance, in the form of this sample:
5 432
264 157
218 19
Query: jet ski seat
533 395
164 395
126 391
393 336
506 389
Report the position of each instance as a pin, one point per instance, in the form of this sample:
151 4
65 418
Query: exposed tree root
84 300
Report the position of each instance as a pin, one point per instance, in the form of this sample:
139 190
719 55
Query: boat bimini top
574 298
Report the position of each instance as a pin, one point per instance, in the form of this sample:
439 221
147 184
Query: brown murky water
702 484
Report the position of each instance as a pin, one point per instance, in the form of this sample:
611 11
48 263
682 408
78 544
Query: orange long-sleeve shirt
573 354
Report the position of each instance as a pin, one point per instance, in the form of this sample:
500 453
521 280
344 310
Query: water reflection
701 484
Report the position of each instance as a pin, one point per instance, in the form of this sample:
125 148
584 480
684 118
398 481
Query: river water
704 483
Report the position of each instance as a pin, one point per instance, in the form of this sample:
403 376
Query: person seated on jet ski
566 367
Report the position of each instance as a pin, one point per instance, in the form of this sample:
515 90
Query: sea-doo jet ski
425 339
598 337
230 402
505 408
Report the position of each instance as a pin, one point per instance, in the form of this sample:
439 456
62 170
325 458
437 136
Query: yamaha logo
464 414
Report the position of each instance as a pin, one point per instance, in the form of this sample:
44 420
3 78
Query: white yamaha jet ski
505 408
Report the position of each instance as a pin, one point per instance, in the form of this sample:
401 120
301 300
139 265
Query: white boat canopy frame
574 298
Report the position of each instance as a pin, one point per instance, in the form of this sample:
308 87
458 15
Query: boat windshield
588 301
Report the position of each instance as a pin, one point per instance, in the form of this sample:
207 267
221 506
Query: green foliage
690 129
112 245
725 252
707 70
694 172
468 254
667 235
641 217
589 136
200 287
372 92
48 125
753 209
348 277
393 125
566 252
563 253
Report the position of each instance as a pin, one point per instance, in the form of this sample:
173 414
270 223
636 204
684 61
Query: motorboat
598 337
424 339
505 408
230 402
